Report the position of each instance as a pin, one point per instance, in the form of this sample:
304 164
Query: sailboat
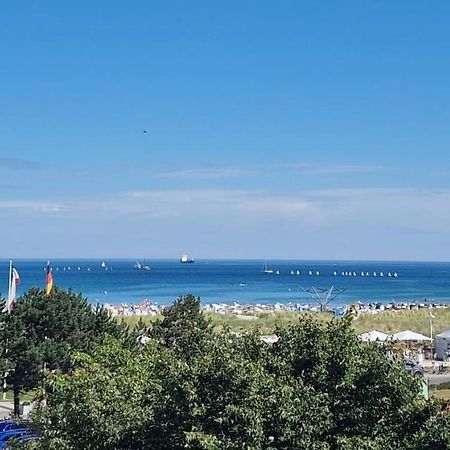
139 266
266 269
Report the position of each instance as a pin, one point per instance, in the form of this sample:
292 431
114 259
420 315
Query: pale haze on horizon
250 129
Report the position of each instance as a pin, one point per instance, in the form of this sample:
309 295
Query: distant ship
139 266
186 259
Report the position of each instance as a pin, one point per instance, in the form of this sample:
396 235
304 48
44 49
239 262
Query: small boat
310 272
298 272
277 272
317 273
292 272
139 266
334 273
103 265
266 269
395 274
186 259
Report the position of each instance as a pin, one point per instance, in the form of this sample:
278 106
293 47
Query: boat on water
139 266
267 269
186 259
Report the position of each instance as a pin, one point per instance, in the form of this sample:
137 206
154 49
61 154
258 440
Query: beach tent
443 345
409 335
373 336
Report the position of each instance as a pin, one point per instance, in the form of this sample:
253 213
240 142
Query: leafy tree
183 327
105 403
43 330
317 388
5 364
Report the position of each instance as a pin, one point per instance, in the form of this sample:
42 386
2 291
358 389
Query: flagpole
8 311
431 333
9 287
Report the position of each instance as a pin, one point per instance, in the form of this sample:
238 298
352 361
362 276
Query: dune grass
393 321
387 322
265 323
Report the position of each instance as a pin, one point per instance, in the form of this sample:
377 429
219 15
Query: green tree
317 388
183 328
43 330
5 364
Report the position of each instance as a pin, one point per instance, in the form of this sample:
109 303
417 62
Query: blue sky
289 129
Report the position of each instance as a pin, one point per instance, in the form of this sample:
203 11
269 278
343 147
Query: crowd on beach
376 307
144 308
149 308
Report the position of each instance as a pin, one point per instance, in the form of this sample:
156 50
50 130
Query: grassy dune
394 321
387 322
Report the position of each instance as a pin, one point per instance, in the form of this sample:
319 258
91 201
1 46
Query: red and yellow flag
49 279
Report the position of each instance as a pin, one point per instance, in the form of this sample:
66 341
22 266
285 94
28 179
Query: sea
242 281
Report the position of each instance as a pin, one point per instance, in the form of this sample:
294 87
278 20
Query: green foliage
183 327
317 388
43 330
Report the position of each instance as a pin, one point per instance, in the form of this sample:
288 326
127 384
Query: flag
13 283
49 279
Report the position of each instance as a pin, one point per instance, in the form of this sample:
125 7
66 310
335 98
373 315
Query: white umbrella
409 335
373 336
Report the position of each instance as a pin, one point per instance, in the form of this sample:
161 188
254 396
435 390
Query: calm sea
243 281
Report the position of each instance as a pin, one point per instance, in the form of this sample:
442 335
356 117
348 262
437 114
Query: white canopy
444 334
409 335
373 336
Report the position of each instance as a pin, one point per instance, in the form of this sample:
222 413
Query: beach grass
265 323
133 320
387 321
394 321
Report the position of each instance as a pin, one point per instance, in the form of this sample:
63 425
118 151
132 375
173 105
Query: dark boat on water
186 259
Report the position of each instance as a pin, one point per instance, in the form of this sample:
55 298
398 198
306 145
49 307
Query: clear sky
234 129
